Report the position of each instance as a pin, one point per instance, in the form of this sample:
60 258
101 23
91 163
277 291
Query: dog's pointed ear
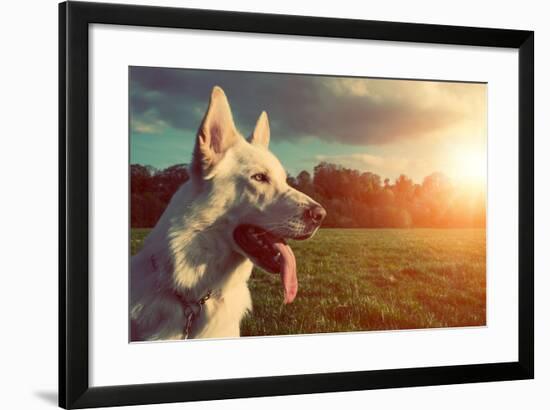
261 133
216 134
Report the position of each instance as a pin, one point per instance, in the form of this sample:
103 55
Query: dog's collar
191 309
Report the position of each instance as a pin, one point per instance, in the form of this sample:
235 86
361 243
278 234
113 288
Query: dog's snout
316 214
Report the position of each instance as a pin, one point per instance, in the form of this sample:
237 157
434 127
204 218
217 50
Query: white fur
191 249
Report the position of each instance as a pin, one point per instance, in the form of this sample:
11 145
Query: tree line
353 199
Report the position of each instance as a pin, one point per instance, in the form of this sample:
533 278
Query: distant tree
168 181
140 178
436 182
403 185
305 183
151 190
352 199
304 179
292 181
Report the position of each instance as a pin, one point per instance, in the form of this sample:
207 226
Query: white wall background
28 175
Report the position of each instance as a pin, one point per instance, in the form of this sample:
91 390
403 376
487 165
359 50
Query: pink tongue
288 271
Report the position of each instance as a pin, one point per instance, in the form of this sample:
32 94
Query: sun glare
469 165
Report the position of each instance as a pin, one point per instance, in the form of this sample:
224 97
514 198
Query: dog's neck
191 245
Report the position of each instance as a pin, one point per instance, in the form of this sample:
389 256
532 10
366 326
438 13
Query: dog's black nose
316 214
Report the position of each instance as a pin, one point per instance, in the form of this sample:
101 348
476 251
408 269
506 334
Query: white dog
190 278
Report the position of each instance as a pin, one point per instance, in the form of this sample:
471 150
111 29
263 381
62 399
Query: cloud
386 166
352 111
363 162
148 123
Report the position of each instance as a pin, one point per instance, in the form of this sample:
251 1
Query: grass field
373 279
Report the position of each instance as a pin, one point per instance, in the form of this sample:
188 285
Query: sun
469 164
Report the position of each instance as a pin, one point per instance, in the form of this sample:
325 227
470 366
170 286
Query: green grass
373 279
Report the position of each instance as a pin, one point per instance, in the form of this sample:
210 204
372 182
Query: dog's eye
260 177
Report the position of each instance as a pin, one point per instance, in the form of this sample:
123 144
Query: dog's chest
223 313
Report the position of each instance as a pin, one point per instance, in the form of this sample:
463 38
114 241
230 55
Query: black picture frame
74 21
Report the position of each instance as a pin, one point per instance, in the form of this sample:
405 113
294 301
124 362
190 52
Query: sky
386 126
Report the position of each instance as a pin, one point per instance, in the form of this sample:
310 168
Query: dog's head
248 182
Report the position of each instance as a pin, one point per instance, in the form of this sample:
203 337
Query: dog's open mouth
270 253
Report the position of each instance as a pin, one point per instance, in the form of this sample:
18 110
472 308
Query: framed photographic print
256 204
